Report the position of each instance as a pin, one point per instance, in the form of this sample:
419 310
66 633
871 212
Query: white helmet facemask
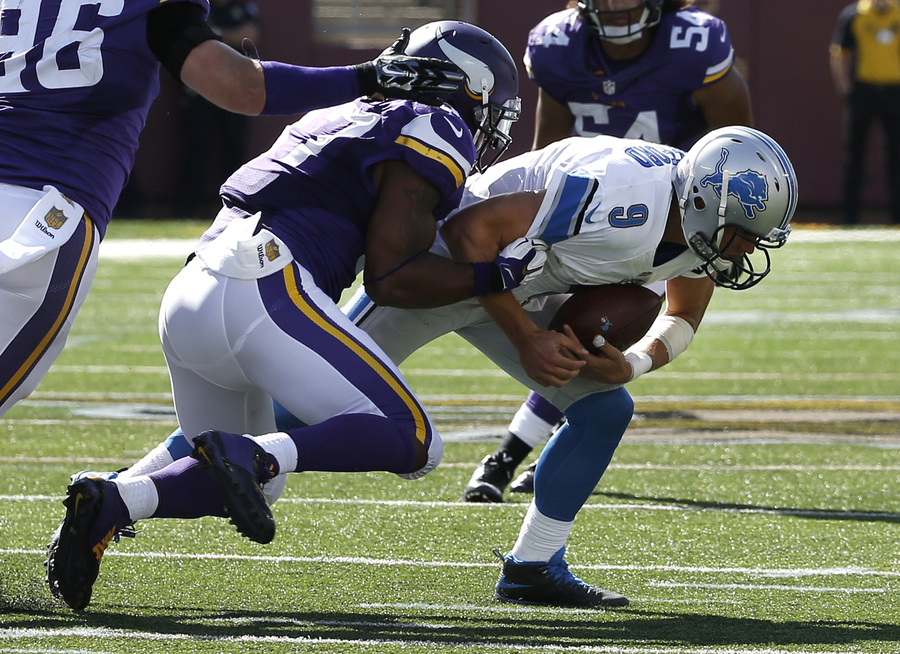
651 14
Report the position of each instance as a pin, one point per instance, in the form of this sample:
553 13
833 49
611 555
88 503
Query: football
621 313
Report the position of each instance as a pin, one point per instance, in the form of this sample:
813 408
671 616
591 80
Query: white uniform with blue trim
604 211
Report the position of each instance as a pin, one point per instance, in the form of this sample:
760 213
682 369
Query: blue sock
178 445
577 456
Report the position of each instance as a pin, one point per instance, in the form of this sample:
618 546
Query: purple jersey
76 82
648 97
315 184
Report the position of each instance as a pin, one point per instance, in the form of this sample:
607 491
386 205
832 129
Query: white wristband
640 361
674 332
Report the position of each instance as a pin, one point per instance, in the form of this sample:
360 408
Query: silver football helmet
736 177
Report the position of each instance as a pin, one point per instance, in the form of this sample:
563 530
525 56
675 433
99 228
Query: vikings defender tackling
252 317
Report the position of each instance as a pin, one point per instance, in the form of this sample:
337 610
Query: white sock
540 537
529 428
282 447
156 459
140 496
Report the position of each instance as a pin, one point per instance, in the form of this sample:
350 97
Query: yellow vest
877 54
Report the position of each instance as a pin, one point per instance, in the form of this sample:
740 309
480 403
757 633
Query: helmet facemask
493 123
650 15
740 273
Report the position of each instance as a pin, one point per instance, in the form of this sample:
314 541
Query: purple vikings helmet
651 14
488 99
740 178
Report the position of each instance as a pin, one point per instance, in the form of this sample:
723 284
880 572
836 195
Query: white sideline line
308 641
356 560
801 589
622 506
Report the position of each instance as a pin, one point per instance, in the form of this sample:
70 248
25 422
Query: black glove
397 75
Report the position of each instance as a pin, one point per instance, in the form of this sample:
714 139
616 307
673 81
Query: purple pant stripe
32 341
290 308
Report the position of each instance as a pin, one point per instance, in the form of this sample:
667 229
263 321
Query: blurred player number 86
621 313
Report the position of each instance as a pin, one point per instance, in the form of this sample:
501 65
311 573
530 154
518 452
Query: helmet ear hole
699 203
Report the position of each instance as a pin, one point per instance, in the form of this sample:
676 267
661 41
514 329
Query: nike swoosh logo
456 131
528 271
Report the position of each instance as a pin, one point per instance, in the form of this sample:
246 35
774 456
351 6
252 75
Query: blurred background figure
865 65
215 140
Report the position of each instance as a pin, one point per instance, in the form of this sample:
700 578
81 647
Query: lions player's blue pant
579 452
40 299
232 345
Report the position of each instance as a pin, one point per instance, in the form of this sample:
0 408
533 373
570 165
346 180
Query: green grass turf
730 532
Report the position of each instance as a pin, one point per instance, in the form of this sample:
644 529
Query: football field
753 506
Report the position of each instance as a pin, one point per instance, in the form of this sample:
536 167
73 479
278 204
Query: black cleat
524 483
239 466
95 515
550 584
489 479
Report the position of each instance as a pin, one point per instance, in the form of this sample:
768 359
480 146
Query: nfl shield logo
55 218
609 87
272 250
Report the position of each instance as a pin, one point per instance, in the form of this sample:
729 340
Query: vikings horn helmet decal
488 101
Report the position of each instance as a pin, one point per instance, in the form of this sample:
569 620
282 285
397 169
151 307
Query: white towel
239 253
47 225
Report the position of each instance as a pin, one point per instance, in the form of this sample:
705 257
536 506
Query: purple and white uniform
647 98
254 315
76 82
77 79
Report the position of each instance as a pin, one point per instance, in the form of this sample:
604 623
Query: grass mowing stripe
786 467
491 373
356 560
623 506
110 633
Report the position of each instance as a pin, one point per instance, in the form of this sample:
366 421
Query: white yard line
308 642
824 514
767 573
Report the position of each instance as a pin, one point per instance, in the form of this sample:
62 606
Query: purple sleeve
294 90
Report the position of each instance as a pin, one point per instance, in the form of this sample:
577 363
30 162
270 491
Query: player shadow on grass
730 507
474 627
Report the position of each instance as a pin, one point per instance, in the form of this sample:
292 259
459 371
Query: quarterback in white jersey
609 211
